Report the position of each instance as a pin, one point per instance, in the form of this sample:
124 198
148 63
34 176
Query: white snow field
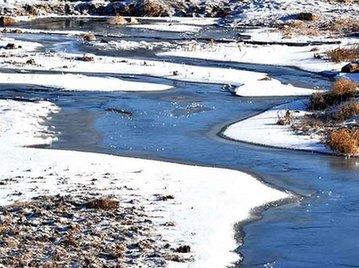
247 83
301 57
77 82
208 201
262 129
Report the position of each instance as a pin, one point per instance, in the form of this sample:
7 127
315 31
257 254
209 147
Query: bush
118 20
104 203
7 21
89 37
347 111
287 119
306 16
344 87
343 54
342 90
344 141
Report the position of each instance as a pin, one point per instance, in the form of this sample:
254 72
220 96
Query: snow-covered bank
207 201
263 129
302 57
21 46
246 81
76 82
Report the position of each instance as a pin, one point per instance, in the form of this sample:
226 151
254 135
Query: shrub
89 37
118 20
6 21
342 90
343 87
86 58
299 27
104 203
287 119
344 141
152 8
343 54
305 16
347 111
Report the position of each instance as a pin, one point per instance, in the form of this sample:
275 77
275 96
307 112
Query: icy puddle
182 125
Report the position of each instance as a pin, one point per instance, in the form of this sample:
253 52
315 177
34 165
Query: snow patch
262 129
77 82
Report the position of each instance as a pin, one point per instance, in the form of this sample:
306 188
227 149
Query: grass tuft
104 203
343 54
344 141
347 111
342 90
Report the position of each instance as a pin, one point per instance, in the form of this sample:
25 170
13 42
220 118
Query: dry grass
343 54
347 111
318 26
118 20
6 21
86 58
88 37
299 27
344 87
344 141
287 119
342 90
153 9
104 203
342 26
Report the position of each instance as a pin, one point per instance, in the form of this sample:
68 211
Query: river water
183 125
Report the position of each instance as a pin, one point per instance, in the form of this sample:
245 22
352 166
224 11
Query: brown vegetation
287 119
104 203
317 26
342 90
306 16
118 20
78 231
86 58
6 21
347 111
152 8
345 141
343 54
299 27
89 37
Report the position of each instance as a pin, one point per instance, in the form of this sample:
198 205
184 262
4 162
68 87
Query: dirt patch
63 231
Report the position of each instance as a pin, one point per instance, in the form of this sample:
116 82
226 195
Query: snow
263 130
77 82
208 201
131 45
301 57
26 46
246 81
259 12
267 88
41 31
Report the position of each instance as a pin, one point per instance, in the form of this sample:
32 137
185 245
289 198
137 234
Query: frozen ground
207 201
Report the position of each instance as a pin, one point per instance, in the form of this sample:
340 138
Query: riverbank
188 205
